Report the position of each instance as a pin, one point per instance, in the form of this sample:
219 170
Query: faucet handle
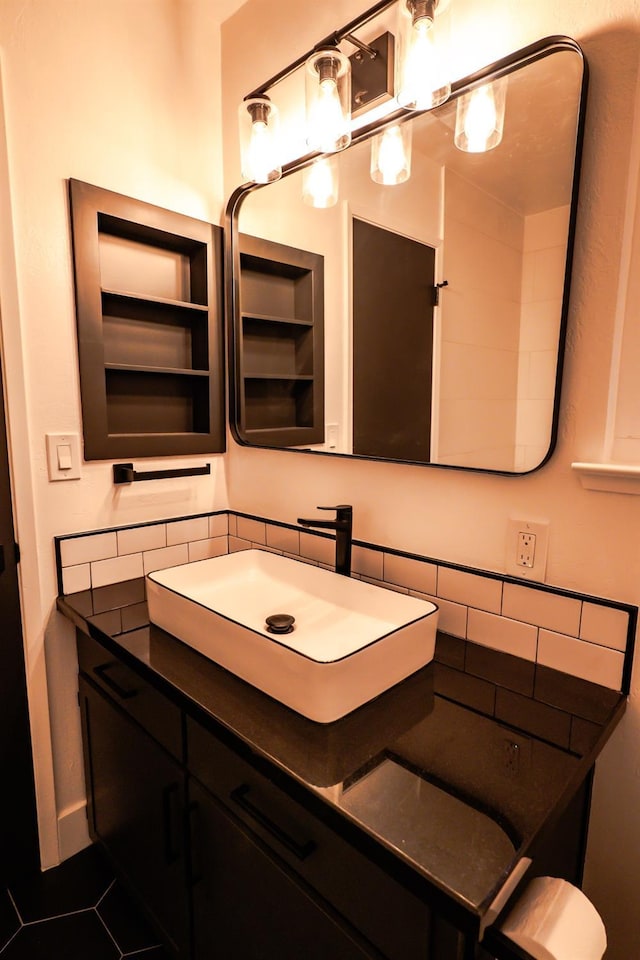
344 511
341 506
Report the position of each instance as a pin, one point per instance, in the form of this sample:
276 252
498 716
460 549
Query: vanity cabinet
231 855
149 318
219 855
280 346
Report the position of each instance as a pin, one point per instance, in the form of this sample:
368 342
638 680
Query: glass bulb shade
320 183
422 80
259 141
328 100
391 155
480 117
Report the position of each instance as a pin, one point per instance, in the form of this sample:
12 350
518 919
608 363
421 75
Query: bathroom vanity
246 830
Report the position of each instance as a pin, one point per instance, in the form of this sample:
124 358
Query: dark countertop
456 770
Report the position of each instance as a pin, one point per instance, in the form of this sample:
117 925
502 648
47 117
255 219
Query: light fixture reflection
422 80
259 125
320 183
328 97
391 155
480 117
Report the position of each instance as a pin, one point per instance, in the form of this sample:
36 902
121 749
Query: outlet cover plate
540 530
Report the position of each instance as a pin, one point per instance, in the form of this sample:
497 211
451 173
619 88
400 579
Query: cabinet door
245 906
136 807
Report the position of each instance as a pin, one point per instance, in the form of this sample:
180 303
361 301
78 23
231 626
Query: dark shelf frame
279 345
126 399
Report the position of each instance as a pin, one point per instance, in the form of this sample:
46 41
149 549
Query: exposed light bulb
421 82
259 147
480 117
320 184
480 121
326 116
391 155
328 91
260 153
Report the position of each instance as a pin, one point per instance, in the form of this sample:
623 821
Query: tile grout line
104 924
21 924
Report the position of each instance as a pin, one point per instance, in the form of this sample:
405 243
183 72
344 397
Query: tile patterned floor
74 912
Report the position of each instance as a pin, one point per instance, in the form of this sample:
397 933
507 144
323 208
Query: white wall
595 537
480 328
123 94
544 258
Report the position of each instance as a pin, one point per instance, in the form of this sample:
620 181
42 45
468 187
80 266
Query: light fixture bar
331 40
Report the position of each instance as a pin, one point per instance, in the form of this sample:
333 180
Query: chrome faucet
343 526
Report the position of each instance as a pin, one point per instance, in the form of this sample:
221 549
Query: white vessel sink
350 642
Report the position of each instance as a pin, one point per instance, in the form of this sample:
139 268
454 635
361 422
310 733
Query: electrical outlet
527 542
526 552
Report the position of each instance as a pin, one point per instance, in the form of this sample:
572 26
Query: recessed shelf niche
149 318
280 388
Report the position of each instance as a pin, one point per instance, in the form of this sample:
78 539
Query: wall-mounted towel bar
124 473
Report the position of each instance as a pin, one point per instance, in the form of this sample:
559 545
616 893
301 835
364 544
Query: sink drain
280 623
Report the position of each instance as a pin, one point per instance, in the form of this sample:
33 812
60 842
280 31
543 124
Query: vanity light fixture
259 142
391 155
320 183
422 79
480 117
328 100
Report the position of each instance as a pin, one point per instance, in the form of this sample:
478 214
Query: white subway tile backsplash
282 538
104 572
204 549
219 525
76 578
581 659
576 635
321 549
406 572
366 562
97 546
508 636
470 589
549 610
236 544
172 556
253 530
137 539
604 625
182 531
452 617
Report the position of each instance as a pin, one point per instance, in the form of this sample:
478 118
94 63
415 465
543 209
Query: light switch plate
63 449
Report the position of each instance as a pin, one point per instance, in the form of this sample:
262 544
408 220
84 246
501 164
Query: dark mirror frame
494 71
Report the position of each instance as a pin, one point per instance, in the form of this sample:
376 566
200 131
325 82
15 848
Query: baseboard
73 832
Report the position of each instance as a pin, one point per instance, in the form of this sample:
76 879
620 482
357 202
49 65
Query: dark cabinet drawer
391 918
161 718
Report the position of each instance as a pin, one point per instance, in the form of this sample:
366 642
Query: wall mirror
422 322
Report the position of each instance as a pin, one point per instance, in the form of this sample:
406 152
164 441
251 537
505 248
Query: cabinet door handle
300 850
195 874
122 692
169 817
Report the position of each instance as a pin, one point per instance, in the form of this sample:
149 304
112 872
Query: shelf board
160 301
268 318
282 377
174 371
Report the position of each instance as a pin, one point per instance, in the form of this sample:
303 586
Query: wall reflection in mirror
444 294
